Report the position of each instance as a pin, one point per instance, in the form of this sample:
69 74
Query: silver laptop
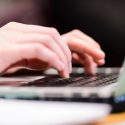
106 87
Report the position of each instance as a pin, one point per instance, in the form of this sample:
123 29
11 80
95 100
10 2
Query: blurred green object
121 86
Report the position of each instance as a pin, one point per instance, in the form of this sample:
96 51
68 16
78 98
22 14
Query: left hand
85 50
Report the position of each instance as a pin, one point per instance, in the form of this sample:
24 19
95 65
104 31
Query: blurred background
104 20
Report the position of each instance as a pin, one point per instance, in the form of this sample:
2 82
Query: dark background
104 20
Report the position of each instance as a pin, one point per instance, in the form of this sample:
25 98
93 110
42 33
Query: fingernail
66 72
101 53
101 62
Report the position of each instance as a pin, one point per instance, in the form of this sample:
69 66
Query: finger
75 58
82 47
82 36
17 66
85 37
89 65
42 53
8 61
14 69
101 62
87 62
33 64
43 30
47 41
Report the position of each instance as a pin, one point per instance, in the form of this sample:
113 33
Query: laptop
62 101
106 87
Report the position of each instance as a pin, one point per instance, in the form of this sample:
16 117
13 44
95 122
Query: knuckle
98 45
51 57
48 41
76 31
32 51
9 25
53 30
35 50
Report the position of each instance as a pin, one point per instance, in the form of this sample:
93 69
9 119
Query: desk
112 119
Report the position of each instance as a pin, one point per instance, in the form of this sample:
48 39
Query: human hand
85 50
34 47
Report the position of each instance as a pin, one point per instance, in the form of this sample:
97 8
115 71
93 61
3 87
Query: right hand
34 47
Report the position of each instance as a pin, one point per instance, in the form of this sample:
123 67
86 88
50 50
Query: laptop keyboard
75 80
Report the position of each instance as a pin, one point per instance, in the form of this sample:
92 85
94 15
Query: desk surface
112 119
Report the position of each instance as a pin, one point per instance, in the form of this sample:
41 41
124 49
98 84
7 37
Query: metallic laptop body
102 88
51 85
